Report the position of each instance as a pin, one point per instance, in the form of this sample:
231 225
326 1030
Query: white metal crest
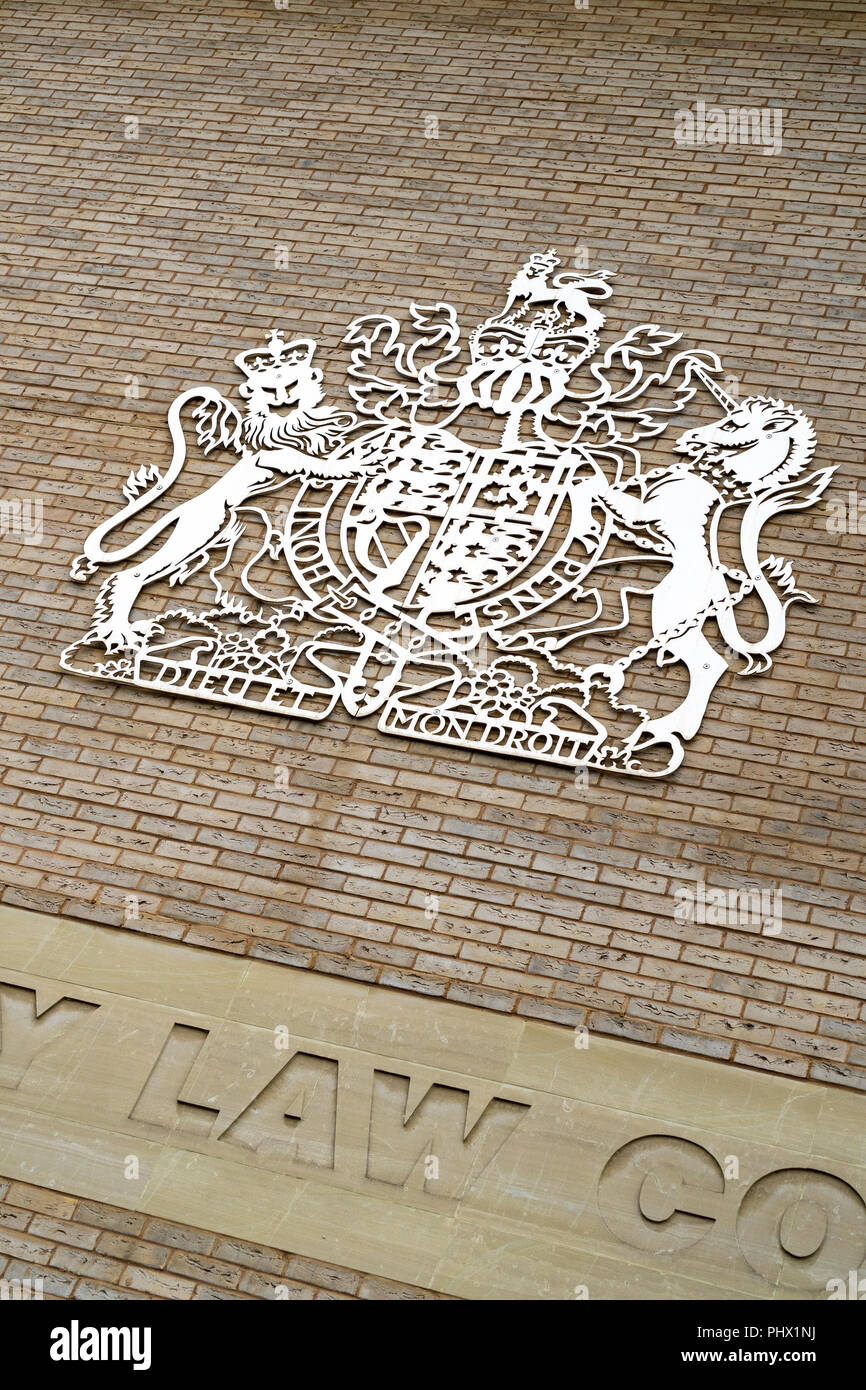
468 595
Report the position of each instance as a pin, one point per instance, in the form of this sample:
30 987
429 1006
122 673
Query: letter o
799 1227
541 743
433 724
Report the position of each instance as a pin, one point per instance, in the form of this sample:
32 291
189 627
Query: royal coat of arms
516 591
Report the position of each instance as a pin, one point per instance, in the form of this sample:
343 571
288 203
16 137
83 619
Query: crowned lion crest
502 546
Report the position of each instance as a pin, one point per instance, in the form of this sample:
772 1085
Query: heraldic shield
478 554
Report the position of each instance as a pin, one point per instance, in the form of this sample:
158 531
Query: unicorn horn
724 400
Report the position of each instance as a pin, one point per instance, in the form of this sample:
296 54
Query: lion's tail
94 555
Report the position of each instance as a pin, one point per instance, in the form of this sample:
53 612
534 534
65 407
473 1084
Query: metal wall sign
485 594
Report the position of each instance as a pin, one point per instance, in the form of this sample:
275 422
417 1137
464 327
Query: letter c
660 1193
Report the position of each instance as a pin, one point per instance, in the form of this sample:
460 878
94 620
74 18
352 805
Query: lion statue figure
284 434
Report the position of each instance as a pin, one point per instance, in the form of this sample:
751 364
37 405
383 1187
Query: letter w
404 1135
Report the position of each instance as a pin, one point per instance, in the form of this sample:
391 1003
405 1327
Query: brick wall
154 258
90 1251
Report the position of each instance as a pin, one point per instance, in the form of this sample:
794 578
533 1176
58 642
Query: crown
547 316
541 263
278 356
